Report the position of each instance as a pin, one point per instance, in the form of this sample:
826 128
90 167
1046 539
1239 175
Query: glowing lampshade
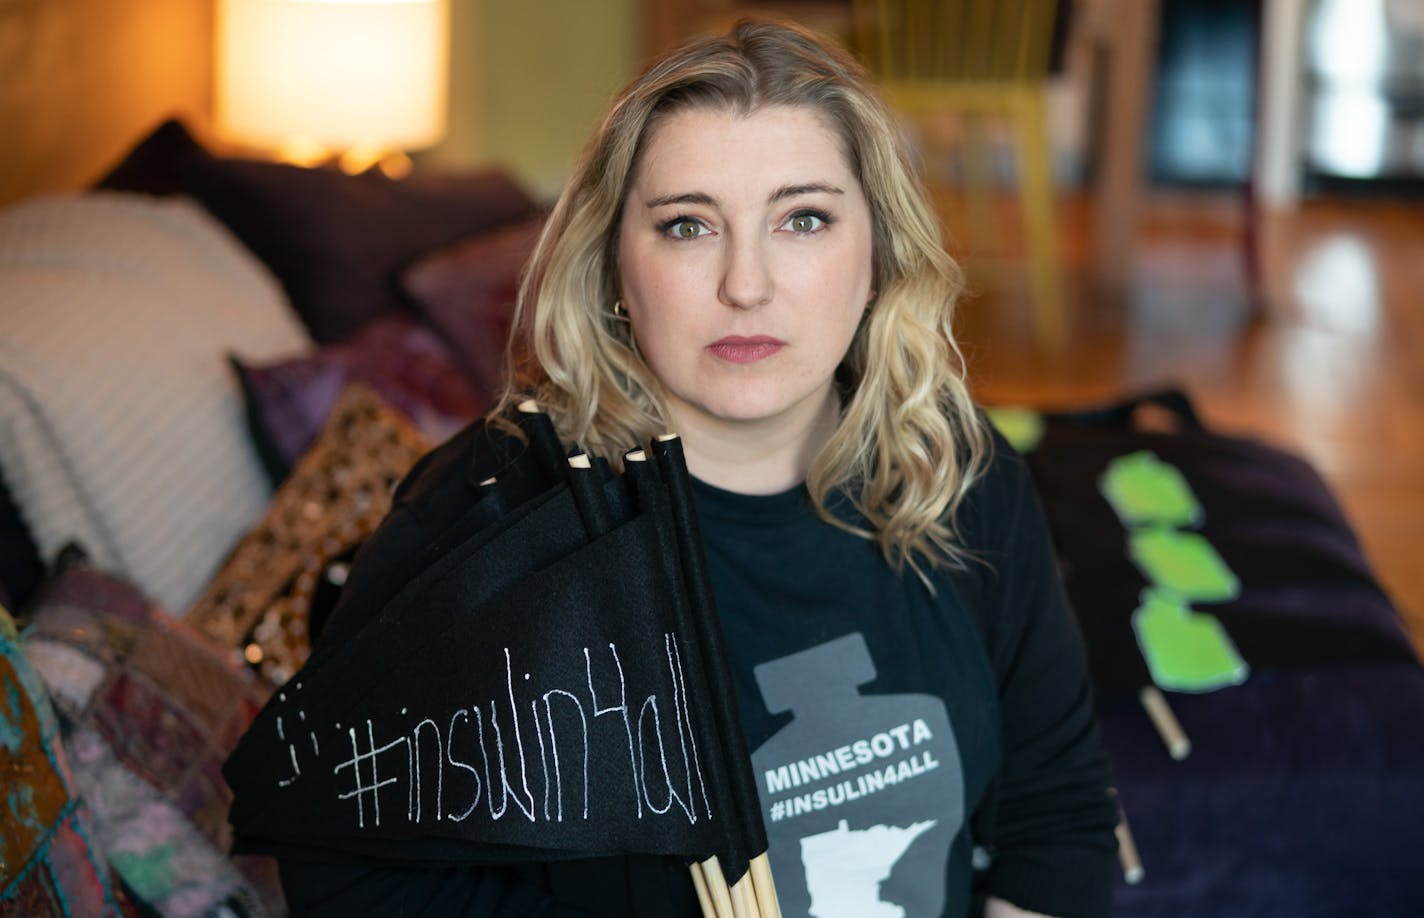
335 74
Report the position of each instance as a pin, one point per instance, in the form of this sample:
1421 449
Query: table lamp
359 81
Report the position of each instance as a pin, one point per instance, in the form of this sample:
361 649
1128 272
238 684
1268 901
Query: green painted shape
148 872
1186 651
1022 427
1182 563
1143 490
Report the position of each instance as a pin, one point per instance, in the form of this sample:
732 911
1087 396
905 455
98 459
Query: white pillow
121 423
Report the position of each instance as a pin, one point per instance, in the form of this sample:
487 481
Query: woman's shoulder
998 521
998 494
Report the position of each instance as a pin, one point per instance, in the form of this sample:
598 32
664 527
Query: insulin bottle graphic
862 795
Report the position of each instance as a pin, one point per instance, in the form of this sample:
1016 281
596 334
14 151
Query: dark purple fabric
1308 596
1302 796
153 165
1302 793
337 241
468 291
406 362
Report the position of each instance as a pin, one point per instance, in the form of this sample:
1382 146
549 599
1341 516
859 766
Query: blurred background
256 256
1220 194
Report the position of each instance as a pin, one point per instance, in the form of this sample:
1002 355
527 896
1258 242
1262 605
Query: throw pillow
258 604
154 165
468 291
151 709
404 360
48 864
120 426
336 241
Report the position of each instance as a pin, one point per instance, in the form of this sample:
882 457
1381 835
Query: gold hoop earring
618 308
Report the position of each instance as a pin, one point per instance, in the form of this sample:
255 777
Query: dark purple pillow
337 241
154 165
402 359
468 291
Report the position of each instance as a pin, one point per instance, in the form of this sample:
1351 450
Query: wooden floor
1322 353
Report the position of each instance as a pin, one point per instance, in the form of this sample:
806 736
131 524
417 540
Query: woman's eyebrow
785 191
688 197
791 191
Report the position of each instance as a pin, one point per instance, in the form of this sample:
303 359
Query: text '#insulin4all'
848 758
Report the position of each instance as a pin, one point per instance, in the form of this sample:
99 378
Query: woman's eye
806 223
684 228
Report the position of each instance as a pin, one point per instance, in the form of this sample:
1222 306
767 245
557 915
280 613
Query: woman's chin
749 409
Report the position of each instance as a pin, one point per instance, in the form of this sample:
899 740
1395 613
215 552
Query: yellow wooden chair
979 59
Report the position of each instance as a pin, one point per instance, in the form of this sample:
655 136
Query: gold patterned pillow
259 602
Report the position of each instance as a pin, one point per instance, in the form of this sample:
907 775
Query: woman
744 255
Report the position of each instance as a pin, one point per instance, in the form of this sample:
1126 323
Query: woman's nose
746 277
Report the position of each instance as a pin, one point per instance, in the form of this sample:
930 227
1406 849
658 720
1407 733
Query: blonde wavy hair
909 444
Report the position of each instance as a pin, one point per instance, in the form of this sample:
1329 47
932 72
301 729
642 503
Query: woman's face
744 258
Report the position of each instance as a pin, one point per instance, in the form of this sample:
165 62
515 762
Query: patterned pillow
150 711
404 360
259 604
48 865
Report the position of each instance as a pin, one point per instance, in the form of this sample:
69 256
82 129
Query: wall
82 80
532 79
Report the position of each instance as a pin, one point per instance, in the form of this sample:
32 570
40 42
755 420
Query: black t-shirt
907 703
879 708
868 703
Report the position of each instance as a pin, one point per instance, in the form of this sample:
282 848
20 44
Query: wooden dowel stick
1127 856
743 901
767 904
717 887
1178 746
704 899
579 461
529 406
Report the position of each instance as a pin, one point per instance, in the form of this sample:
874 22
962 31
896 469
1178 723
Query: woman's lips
736 349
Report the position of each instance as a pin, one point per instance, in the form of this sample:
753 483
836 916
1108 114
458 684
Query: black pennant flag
552 684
